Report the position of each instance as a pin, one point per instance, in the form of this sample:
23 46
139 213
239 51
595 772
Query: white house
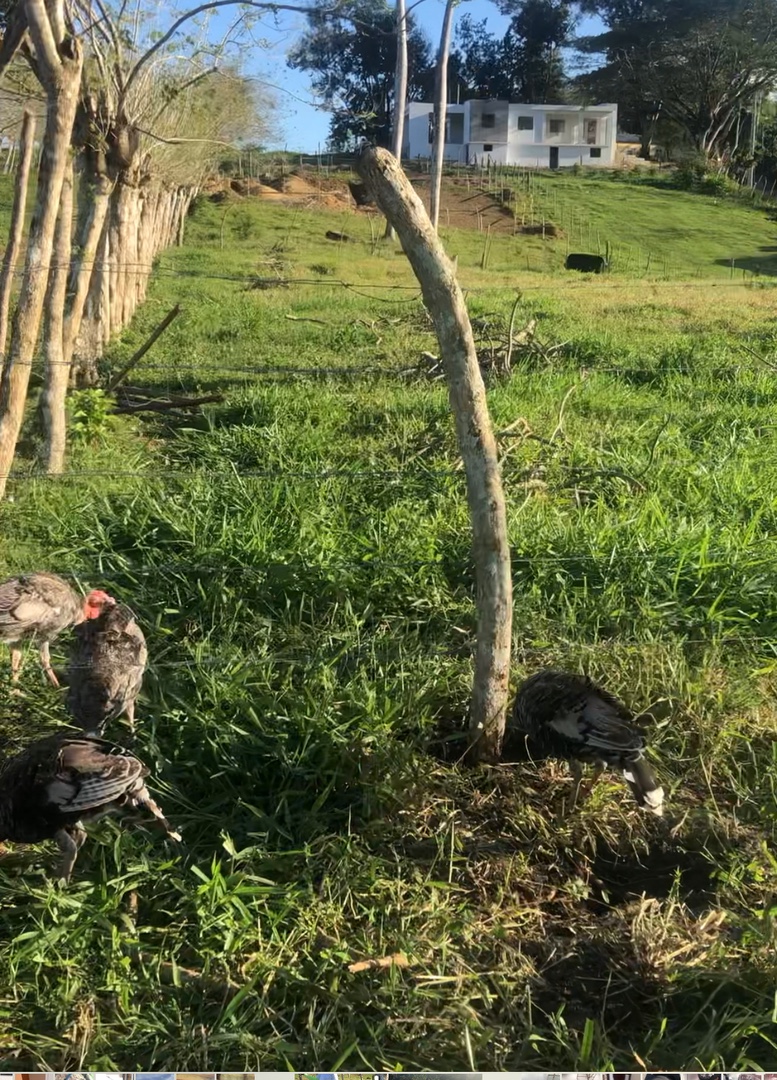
543 136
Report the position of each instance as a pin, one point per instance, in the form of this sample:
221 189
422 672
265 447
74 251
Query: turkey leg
45 659
70 840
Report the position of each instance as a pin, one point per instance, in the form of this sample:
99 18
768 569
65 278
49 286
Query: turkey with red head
49 790
107 662
37 608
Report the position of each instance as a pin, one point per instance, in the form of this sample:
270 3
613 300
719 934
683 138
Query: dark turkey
568 716
38 607
49 790
360 194
107 662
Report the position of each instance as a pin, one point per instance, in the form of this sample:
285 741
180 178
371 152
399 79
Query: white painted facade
539 136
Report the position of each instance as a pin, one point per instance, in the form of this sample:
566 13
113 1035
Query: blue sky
301 125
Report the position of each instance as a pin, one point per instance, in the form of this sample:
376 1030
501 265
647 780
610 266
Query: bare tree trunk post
400 94
59 62
17 227
444 300
93 199
440 114
54 398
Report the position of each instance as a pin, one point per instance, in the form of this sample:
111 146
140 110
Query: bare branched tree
135 179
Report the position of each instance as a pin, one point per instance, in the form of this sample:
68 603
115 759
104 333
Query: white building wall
499 154
416 137
530 149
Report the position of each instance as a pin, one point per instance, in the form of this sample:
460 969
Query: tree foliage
702 60
352 58
525 64
539 30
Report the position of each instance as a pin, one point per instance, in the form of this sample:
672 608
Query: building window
556 127
526 123
487 147
489 120
596 151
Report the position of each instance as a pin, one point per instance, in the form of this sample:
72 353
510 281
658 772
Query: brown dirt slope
466 207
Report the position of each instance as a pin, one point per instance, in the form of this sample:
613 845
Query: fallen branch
396 960
757 356
114 381
163 405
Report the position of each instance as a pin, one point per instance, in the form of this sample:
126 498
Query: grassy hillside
654 229
299 558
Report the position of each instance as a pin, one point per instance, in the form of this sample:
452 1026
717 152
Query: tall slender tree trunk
400 92
444 300
27 140
59 63
54 399
440 114
88 345
94 195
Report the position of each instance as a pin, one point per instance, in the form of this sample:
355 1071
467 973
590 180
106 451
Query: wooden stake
138 356
445 302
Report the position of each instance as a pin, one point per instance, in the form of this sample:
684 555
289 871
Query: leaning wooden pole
27 140
445 302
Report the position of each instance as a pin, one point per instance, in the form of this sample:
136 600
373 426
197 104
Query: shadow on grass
761 265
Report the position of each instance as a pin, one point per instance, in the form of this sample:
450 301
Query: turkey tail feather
648 793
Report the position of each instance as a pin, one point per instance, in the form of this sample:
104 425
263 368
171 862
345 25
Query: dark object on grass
360 194
340 237
106 668
38 607
568 716
50 789
586 264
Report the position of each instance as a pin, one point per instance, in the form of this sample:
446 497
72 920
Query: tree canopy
702 61
525 64
352 58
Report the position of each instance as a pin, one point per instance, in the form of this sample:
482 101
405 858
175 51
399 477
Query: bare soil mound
295 185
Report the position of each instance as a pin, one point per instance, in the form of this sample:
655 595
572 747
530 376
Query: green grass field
299 558
653 230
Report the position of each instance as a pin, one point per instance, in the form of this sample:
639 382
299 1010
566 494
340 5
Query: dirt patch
465 206
295 185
